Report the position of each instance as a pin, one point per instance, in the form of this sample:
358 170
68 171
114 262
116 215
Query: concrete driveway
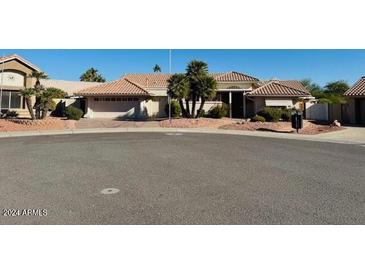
180 179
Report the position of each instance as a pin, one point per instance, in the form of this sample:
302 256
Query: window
135 99
119 99
107 99
96 99
5 99
112 99
15 100
130 99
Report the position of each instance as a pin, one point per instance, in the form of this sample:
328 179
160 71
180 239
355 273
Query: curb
9 134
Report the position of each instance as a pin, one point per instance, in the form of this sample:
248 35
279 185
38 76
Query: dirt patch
196 123
29 125
309 128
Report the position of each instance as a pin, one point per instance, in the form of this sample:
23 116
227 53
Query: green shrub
52 105
175 109
271 114
258 118
73 113
218 111
286 114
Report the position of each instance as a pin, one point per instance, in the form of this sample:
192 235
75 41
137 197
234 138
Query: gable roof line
138 86
358 89
273 82
22 60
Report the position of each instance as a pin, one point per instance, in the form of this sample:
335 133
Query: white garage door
116 108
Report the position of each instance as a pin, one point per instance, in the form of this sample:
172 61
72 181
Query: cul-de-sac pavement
180 178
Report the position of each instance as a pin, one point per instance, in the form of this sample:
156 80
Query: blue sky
321 66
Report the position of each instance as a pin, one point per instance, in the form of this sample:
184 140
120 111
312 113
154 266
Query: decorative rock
336 124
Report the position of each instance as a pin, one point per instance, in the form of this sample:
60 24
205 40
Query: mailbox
297 121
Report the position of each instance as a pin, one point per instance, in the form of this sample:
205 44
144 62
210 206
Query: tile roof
159 80
149 80
70 87
118 87
277 88
290 83
15 56
358 89
233 76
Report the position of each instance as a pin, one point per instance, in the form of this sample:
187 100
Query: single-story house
145 95
15 74
354 111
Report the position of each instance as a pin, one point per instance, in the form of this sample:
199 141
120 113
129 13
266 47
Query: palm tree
27 95
38 75
195 71
92 75
47 96
178 88
206 91
156 68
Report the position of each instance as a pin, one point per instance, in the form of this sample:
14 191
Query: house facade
145 95
15 76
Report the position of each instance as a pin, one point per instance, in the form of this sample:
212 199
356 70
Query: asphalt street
159 178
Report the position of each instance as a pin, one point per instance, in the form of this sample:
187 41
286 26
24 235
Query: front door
237 105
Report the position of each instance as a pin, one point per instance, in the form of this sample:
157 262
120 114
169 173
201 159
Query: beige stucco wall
155 106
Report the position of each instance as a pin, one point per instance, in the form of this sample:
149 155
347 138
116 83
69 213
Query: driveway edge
291 136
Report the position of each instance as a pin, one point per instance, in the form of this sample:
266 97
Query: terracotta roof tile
290 83
277 88
118 87
358 89
149 80
233 76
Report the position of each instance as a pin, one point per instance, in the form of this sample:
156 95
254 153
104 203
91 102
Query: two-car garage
114 107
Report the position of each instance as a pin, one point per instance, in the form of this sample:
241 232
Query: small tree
195 71
47 96
156 68
336 87
178 88
207 90
92 75
38 89
27 95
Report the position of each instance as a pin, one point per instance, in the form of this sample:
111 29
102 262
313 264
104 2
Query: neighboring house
354 111
145 95
15 75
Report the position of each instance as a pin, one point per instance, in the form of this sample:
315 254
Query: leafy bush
271 114
11 114
218 111
52 105
258 118
175 109
73 113
286 114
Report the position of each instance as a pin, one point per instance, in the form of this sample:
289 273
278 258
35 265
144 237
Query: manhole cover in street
109 191
173 134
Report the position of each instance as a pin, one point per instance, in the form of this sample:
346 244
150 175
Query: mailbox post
297 121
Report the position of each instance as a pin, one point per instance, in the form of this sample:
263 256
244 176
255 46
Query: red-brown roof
149 80
358 89
233 76
118 87
277 88
22 60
